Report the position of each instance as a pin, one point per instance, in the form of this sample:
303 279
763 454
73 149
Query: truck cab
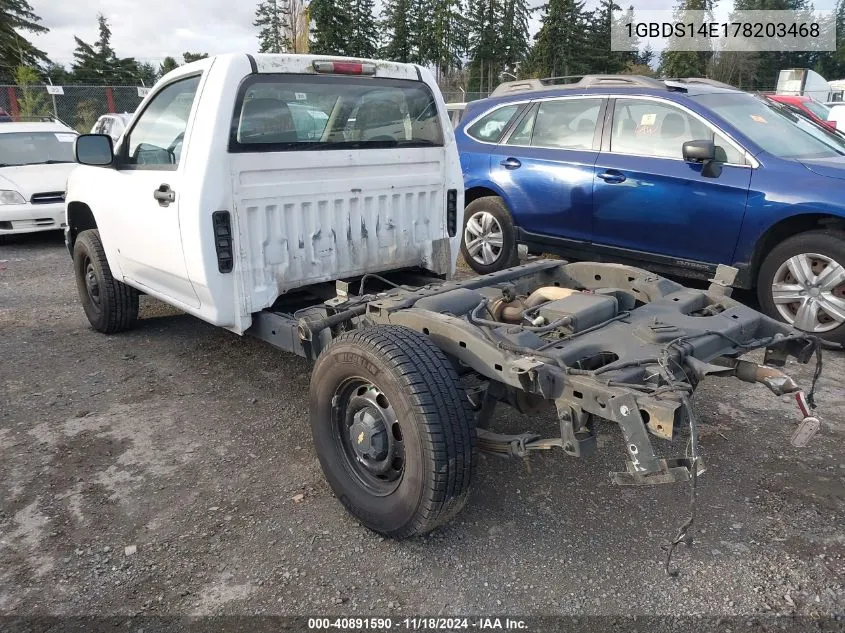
244 177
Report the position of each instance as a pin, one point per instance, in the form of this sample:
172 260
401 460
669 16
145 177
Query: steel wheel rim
809 292
92 284
361 411
483 238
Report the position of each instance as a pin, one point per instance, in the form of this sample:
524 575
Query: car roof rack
576 81
702 81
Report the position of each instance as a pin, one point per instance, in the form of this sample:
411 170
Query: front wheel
392 429
802 282
110 305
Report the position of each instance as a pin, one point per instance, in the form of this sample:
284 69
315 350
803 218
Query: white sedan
35 162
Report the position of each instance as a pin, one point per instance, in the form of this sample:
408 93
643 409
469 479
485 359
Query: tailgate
309 217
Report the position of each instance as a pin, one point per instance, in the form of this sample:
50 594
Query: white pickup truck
314 203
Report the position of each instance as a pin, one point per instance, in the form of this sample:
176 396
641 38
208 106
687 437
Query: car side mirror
96 150
699 151
703 152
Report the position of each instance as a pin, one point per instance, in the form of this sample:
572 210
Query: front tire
392 429
110 305
489 239
802 282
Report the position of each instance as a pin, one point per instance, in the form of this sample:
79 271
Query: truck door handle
612 176
165 195
511 163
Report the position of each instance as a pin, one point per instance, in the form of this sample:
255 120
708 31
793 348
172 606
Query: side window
156 138
490 127
566 123
727 153
651 128
523 131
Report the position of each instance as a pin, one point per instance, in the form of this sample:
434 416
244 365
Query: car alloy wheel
483 238
809 292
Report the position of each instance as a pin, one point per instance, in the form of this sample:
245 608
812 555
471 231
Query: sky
150 30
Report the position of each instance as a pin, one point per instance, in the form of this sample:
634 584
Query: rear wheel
392 429
802 282
111 306
489 240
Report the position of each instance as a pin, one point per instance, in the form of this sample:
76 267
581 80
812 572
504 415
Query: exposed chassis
637 368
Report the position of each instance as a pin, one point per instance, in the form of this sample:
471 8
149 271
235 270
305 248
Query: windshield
819 109
35 148
297 112
773 127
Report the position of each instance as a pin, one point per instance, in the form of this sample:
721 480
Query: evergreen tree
516 40
399 33
768 64
167 64
560 44
147 73
679 63
603 60
645 57
332 21
485 44
193 57
95 63
15 50
57 73
363 36
446 41
273 19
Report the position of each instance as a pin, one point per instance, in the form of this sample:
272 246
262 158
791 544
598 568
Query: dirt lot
159 472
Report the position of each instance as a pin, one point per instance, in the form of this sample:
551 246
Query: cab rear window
301 112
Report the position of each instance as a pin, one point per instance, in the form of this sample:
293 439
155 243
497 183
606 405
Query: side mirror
699 151
703 153
96 150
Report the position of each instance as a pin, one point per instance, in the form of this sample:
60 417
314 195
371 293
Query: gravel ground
169 471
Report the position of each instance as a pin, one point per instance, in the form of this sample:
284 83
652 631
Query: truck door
147 185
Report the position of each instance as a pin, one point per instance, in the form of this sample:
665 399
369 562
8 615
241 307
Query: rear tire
111 306
809 268
488 243
393 429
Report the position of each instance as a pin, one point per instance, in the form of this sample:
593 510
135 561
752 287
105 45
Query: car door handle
511 163
165 195
612 176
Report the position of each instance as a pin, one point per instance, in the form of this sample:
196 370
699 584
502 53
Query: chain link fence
77 106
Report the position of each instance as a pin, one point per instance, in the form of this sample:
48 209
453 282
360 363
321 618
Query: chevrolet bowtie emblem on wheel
361 437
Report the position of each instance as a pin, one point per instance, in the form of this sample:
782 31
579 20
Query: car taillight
344 68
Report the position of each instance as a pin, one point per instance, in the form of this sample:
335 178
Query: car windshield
295 112
819 109
36 148
773 127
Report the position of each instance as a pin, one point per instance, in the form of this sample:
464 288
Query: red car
818 112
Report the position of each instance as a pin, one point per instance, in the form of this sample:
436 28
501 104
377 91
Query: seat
265 120
672 130
381 121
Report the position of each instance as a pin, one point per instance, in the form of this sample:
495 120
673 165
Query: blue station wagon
674 176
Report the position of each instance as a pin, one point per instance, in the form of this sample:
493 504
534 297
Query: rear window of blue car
492 125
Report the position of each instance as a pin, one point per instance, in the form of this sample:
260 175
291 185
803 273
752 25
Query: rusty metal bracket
625 412
671 471
577 436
